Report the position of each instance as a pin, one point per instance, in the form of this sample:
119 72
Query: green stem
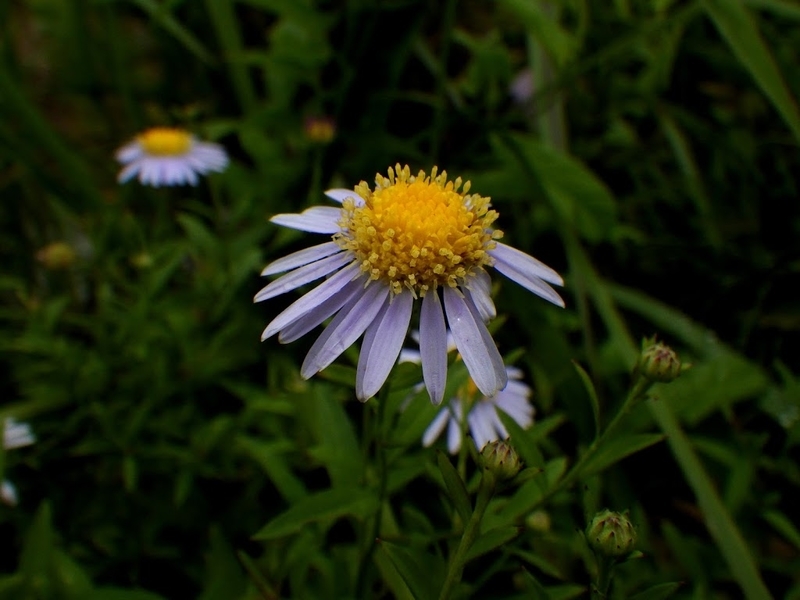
375 526
459 559
605 567
636 393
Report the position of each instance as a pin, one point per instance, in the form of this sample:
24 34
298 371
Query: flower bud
658 362
56 256
320 130
500 459
611 534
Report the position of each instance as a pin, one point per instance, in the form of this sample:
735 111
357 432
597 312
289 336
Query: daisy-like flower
483 419
411 238
15 435
169 156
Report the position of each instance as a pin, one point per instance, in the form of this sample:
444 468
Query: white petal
528 281
129 172
311 300
16 434
479 289
382 344
326 309
436 427
454 428
341 194
129 152
317 219
479 425
475 344
303 275
433 346
8 493
525 263
410 356
344 330
300 258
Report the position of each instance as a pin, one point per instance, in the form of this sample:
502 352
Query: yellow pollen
165 141
418 232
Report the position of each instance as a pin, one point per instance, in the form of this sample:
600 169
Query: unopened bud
56 256
611 534
320 130
658 362
500 459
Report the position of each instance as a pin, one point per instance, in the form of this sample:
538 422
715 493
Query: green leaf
783 526
36 559
338 449
782 8
595 403
541 26
489 540
270 457
455 487
224 577
415 572
739 29
660 591
617 448
322 506
168 23
538 591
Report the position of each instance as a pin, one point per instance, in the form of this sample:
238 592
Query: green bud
611 534
56 256
500 459
658 362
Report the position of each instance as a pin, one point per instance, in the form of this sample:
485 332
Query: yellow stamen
420 232
165 141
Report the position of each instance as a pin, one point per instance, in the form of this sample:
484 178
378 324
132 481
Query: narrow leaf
738 28
455 487
618 448
594 402
330 504
660 591
418 578
494 538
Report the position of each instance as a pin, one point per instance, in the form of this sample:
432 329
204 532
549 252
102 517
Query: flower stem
605 566
636 393
459 559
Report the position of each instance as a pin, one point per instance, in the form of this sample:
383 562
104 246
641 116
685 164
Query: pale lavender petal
16 434
525 263
382 344
303 275
436 427
475 344
129 172
479 289
433 346
300 258
340 195
317 219
129 152
344 330
311 300
454 428
534 284
315 317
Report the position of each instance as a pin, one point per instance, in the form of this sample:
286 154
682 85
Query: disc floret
418 232
165 141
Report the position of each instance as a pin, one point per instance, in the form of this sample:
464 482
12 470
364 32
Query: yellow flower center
165 141
420 232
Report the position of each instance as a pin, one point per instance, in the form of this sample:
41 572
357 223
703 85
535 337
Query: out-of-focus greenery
653 161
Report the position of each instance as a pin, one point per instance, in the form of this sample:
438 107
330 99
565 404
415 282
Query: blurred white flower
483 420
169 156
15 435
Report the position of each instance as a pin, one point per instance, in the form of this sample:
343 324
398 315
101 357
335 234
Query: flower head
483 418
169 156
611 534
410 238
15 435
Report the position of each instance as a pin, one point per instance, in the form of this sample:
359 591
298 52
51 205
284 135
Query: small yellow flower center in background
420 232
165 141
